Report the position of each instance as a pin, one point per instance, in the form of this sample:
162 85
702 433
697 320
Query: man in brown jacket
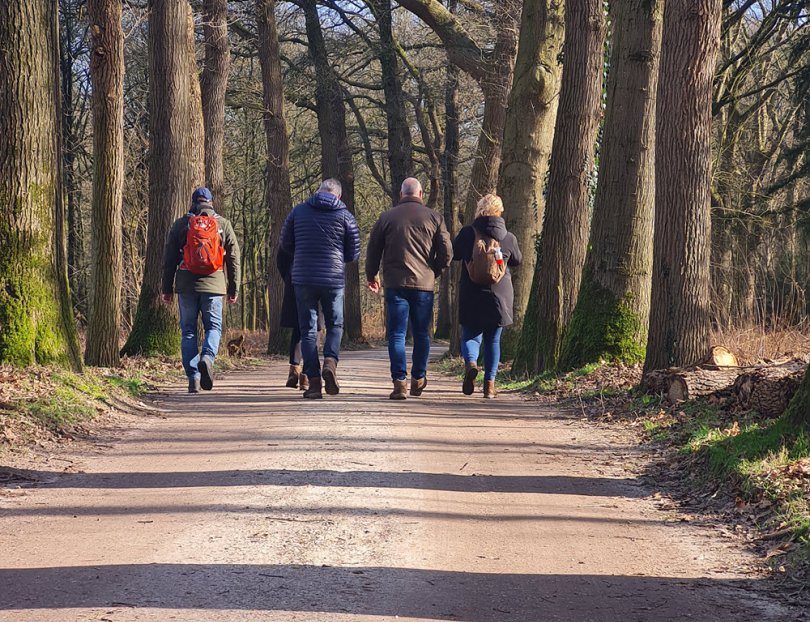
414 247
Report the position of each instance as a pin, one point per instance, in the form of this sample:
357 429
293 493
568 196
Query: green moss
603 328
155 331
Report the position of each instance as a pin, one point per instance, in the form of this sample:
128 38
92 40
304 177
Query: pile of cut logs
765 387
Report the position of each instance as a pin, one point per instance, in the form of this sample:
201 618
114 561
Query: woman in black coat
483 310
289 319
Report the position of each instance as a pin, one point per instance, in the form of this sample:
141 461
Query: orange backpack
203 253
486 267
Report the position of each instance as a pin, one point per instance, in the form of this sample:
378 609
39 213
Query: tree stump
768 390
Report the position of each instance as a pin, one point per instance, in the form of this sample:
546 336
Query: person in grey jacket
321 235
412 243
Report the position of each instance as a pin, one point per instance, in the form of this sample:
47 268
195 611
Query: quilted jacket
321 234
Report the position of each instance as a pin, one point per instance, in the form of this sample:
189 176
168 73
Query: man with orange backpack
201 263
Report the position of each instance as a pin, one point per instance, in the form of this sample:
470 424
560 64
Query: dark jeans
307 298
471 347
191 306
402 304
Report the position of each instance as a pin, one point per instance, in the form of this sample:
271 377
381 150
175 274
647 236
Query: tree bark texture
213 84
196 135
680 305
611 317
277 197
400 147
171 168
565 228
107 100
495 81
528 138
36 317
798 411
447 321
336 153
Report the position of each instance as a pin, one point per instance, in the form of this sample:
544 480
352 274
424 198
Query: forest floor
249 503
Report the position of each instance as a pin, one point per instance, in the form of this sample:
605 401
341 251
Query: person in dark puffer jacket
322 236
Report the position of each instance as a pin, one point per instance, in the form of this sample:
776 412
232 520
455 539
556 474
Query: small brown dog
236 346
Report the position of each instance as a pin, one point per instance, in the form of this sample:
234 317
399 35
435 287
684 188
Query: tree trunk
277 198
196 135
798 411
611 316
36 318
495 82
400 148
565 228
447 322
528 138
107 77
213 85
769 390
336 154
679 314
171 168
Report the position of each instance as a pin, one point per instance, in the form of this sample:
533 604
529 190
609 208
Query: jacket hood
492 226
325 201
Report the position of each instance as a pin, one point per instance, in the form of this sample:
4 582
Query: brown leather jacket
413 245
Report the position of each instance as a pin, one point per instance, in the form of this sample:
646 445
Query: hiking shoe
303 382
193 385
489 389
206 367
329 374
470 374
313 392
418 385
293 377
400 390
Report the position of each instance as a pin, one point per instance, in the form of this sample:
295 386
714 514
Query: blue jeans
402 304
191 306
307 298
471 347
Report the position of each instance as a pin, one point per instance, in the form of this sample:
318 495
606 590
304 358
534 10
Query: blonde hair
489 205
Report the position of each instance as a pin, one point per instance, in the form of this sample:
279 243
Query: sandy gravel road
249 503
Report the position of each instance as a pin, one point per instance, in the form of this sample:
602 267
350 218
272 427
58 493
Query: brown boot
470 374
303 382
400 391
293 377
329 374
489 389
418 385
314 390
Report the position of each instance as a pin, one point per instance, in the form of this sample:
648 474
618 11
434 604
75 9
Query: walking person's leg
307 302
397 310
332 305
470 349
421 314
295 358
492 357
188 305
211 309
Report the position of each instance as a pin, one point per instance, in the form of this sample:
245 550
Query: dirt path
249 503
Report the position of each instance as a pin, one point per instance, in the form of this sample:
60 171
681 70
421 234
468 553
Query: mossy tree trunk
611 317
798 411
565 228
171 168
336 153
277 172
679 312
107 100
213 84
528 139
36 317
